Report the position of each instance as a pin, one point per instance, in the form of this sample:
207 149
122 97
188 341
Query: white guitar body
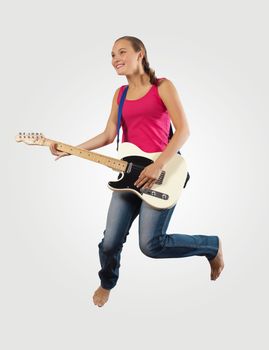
166 191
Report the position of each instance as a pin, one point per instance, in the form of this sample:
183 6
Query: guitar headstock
31 138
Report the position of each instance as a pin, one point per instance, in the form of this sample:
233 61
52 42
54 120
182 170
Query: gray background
57 78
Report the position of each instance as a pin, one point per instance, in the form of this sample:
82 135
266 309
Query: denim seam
207 246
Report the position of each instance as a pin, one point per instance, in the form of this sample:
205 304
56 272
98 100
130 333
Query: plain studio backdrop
57 78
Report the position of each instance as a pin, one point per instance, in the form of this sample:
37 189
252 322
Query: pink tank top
145 121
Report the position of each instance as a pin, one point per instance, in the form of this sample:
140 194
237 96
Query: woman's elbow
185 131
110 137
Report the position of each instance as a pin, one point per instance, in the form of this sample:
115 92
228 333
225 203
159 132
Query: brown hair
137 45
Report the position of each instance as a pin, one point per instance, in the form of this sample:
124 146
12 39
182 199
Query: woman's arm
98 141
110 132
170 98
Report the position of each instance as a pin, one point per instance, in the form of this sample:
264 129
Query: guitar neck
113 163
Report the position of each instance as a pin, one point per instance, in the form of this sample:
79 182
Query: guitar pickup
159 181
155 193
129 169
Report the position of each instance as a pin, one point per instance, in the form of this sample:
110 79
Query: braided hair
138 45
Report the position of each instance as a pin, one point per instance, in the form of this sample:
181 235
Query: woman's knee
110 246
150 248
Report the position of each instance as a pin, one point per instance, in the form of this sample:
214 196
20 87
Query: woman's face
124 59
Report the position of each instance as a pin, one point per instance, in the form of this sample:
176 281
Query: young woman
150 103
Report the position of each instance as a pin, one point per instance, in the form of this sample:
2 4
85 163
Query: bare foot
101 296
217 264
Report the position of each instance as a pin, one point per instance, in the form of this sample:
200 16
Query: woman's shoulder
166 88
121 88
161 81
119 92
165 84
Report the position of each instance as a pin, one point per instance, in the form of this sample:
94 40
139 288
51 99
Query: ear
141 55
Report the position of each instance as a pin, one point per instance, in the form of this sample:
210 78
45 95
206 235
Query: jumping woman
149 105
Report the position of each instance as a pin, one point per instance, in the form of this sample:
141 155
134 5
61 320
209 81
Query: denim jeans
153 240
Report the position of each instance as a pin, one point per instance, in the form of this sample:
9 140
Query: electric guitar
132 160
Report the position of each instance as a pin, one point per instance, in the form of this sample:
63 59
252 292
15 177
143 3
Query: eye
112 55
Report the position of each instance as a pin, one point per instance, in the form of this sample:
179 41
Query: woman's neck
138 82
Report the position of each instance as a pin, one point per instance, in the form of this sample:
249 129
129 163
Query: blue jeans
153 240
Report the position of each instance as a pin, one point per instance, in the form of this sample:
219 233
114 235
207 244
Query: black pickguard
128 179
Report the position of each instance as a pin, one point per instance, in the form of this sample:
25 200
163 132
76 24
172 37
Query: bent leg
123 209
155 243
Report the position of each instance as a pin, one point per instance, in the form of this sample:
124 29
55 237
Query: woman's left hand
148 176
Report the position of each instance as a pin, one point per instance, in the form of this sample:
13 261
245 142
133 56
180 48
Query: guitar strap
120 112
119 122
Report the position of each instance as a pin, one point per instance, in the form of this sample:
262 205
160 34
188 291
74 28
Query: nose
116 59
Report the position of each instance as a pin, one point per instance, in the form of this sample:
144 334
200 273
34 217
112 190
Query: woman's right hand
57 153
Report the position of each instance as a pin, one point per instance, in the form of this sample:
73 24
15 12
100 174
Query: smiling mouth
118 67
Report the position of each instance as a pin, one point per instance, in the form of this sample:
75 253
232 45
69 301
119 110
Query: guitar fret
108 161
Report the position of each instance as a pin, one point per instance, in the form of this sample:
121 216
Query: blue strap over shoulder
120 113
